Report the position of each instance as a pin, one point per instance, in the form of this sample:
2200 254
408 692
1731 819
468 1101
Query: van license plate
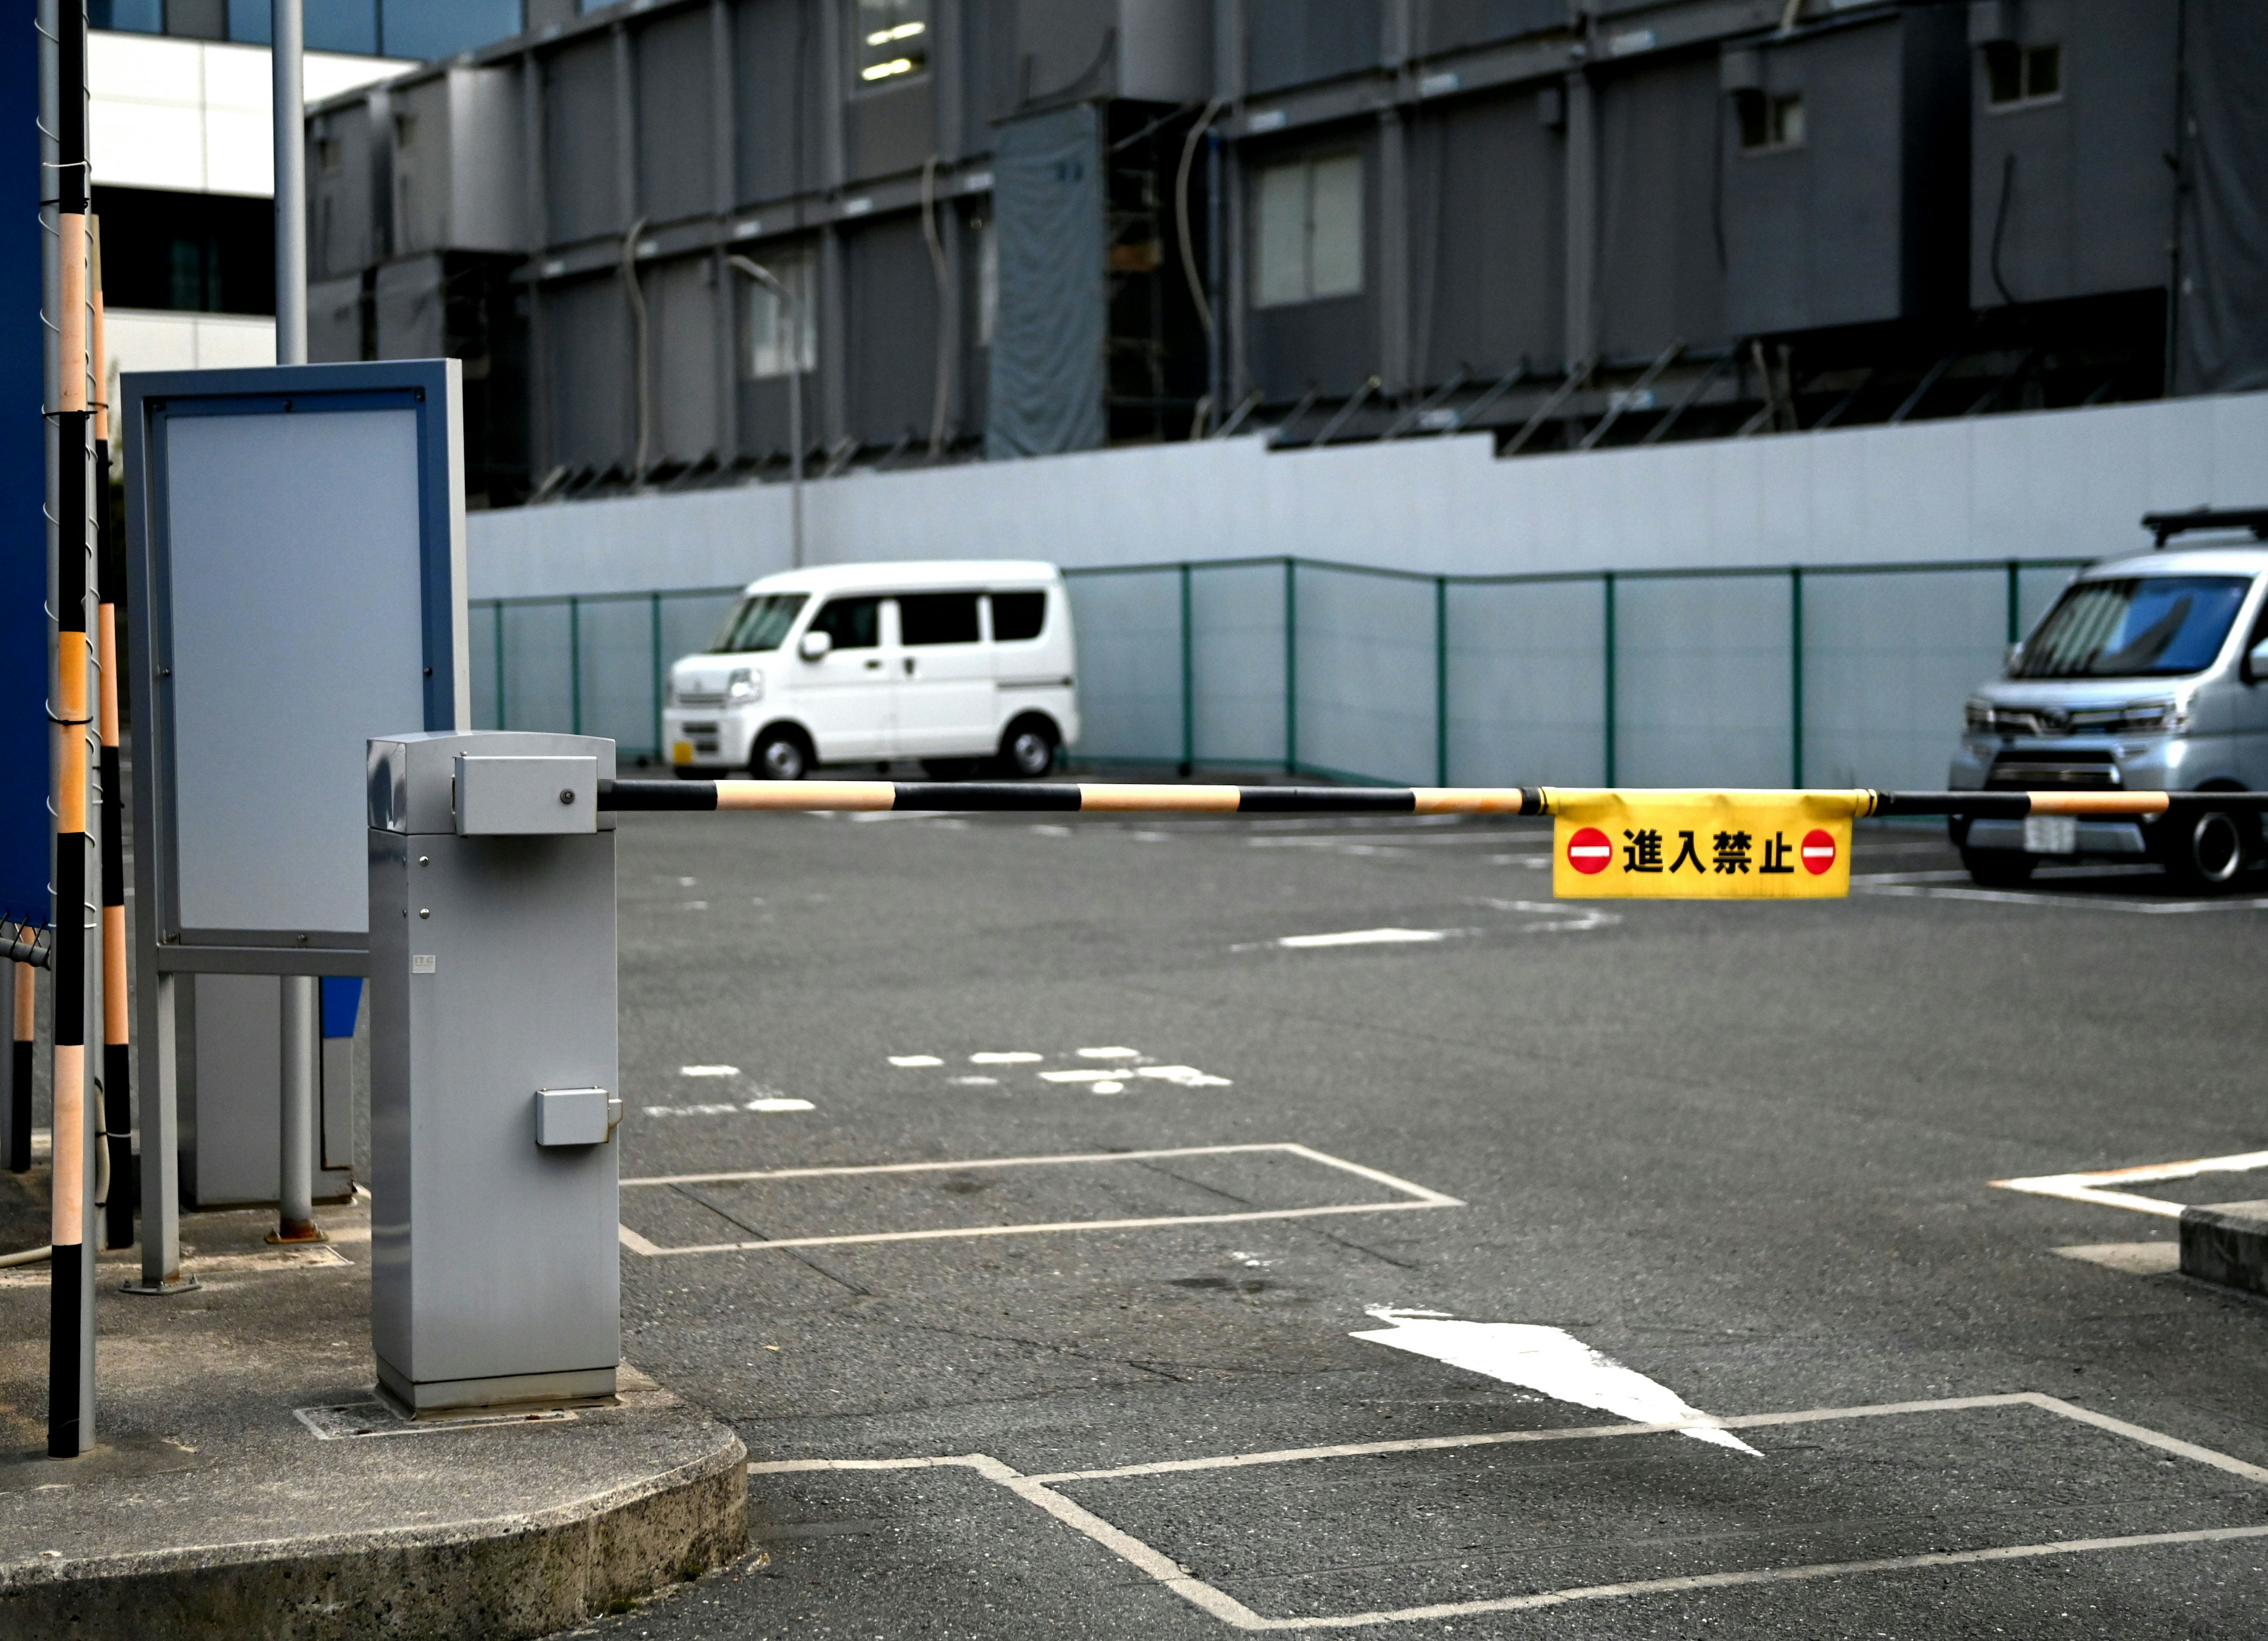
681 752
2051 834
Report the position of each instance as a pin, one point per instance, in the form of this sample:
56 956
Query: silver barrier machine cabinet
494 1072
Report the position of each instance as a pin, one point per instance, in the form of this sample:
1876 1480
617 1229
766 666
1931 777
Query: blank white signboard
297 636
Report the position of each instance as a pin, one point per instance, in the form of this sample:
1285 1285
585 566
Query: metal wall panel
1702 682
1165 50
1332 343
1063 49
885 132
1367 678
676 138
1887 661
778 115
683 343
411 309
2071 196
334 320
1451 25
1660 269
347 188
1487 188
1236 642
892 330
1812 228
586 337
1288 42
421 165
1130 676
1527 666
581 139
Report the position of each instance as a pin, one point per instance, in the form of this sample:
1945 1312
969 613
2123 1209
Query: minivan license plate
2051 834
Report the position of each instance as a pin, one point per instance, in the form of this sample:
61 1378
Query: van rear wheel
1027 751
780 755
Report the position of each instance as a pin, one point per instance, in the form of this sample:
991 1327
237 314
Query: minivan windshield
760 621
2133 627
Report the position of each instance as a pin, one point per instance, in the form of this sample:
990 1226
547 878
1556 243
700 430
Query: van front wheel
780 755
1027 751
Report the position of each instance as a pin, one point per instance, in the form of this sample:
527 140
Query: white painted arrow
1550 1360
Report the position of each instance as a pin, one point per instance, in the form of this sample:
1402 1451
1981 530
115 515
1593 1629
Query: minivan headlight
746 684
1978 714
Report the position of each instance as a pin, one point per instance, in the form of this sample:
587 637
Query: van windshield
2136 627
758 622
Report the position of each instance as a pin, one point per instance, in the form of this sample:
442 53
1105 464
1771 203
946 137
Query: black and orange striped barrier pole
118 1203
1607 843
70 1342
1114 798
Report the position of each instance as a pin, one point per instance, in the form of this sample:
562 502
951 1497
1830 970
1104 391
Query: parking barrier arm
1064 797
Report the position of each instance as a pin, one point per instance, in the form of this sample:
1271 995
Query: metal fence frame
1292 567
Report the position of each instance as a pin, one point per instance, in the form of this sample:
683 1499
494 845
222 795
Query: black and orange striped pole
1113 797
70 1343
110 560
19 1071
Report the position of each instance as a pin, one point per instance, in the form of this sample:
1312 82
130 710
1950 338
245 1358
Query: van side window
926 618
852 623
1017 616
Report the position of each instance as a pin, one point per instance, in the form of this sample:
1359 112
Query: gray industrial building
1016 227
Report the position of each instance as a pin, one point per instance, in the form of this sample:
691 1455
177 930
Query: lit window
892 39
1769 123
2022 74
1310 242
780 342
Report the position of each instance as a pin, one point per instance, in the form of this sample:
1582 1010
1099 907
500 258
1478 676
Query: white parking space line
1412 1198
1366 937
1040 1490
2133 1258
2088 1187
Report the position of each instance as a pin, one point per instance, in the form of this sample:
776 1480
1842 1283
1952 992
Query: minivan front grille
2081 770
700 697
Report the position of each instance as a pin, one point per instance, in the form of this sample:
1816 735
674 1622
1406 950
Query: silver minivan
2150 673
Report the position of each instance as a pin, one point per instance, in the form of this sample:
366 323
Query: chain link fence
1828 675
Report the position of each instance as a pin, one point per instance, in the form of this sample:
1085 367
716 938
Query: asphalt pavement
1572 1167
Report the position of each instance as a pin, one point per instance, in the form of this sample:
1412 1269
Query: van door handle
874 667
909 666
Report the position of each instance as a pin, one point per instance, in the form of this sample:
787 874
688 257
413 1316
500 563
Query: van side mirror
2256 663
815 646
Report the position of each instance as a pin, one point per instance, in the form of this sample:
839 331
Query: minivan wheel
779 756
2206 851
1997 868
1027 751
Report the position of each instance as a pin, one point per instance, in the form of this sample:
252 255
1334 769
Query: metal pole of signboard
300 1045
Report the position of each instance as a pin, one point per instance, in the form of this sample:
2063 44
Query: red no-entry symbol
1590 851
1818 852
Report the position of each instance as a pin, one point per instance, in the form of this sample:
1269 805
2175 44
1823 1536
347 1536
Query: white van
968 667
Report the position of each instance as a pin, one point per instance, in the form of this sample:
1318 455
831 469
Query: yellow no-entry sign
1702 845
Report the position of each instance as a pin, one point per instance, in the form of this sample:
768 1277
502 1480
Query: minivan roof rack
2163 526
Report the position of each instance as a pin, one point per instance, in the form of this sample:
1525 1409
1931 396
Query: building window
1309 239
1770 121
186 252
2016 73
892 39
779 342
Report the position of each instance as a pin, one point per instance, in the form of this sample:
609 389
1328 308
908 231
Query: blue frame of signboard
295 545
